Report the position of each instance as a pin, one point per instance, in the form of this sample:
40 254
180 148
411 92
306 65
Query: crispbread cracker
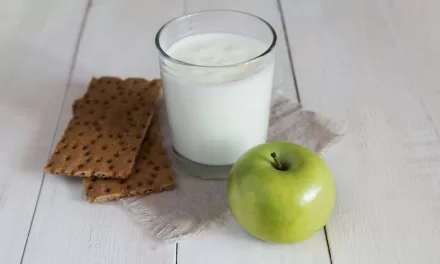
106 131
151 173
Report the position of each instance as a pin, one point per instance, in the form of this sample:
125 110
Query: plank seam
328 245
289 52
177 250
72 66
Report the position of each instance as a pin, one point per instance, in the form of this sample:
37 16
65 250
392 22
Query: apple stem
277 161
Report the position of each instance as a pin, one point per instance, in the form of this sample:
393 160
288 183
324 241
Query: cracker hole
120 135
107 190
90 187
77 123
93 178
121 142
86 123
133 125
135 82
88 101
136 108
111 167
150 182
67 158
91 112
116 155
130 93
129 186
113 97
137 171
81 134
85 148
80 166
133 149
95 123
150 162
108 82
104 147
156 168
139 184
109 161
87 153
96 101
99 159
102 91
99 135
88 160
92 142
82 174
75 146
103 117
65 146
153 175
118 88
138 136
57 152
130 119
106 102
122 181
123 149
110 135
129 160
144 157
49 165
139 94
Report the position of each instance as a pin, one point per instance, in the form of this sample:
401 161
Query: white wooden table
375 63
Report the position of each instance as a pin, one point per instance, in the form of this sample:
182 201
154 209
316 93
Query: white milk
217 113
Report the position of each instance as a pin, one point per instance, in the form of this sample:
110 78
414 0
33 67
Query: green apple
281 192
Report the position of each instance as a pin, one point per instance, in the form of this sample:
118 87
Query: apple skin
281 206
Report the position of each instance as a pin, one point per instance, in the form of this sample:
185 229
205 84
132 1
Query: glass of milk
217 70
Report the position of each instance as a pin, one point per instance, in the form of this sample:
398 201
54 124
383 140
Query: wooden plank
231 244
349 63
37 44
118 40
416 30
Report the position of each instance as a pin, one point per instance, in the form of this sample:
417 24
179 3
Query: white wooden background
374 62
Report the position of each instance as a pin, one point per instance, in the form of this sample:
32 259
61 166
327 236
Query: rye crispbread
106 131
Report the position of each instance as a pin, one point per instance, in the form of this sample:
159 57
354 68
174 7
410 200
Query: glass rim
264 53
